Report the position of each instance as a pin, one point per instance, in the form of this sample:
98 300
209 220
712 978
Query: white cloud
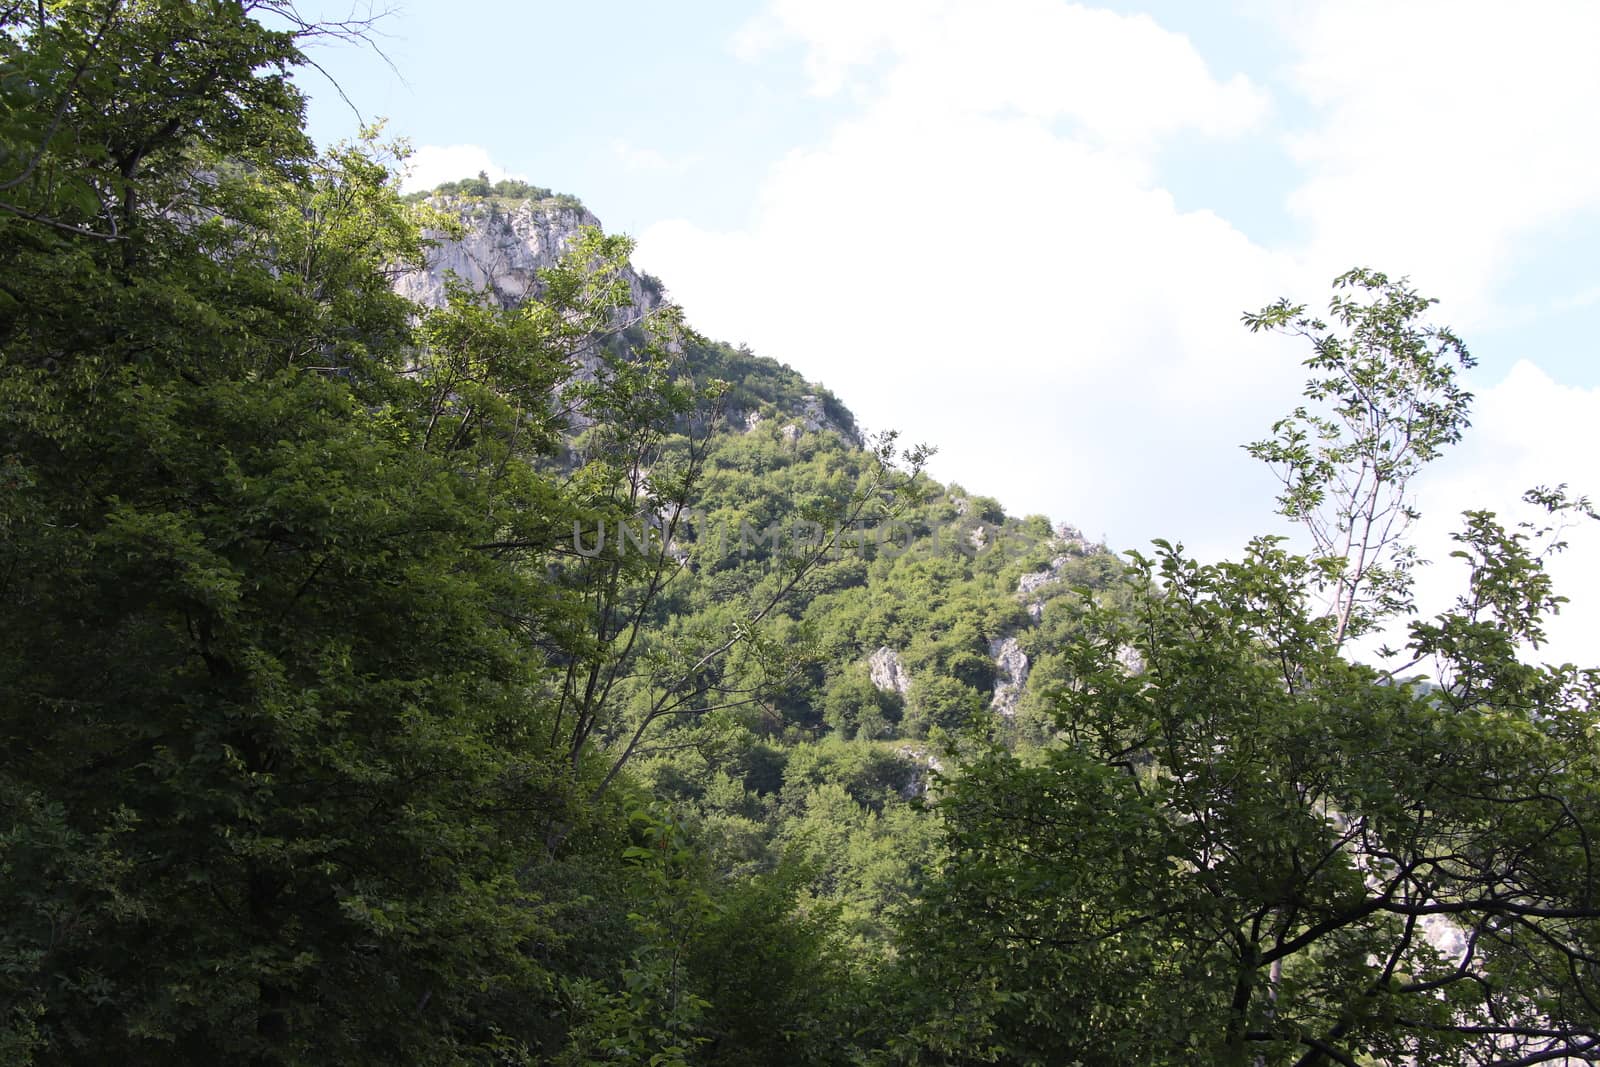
1118 79
432 164
982 255
1527 431
1447 133
980 259
839 35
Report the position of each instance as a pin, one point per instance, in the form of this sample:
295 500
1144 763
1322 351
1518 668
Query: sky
1024 231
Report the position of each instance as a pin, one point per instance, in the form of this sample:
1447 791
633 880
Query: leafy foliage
484 684
1249 849
506 189
1392 405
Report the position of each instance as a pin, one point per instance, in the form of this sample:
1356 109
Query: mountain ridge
500 246
505 242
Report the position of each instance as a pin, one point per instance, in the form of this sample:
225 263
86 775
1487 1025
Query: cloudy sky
1024 230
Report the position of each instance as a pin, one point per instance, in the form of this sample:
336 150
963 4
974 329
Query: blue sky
1024 230
559 92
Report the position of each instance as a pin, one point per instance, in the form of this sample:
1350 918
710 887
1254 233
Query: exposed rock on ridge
503 248
1010 674
923 763
1072 543
887 672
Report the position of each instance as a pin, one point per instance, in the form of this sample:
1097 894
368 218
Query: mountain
525 679
504 242
503 245
947 617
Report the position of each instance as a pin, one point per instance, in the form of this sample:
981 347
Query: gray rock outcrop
1030 584
1070 544
924 762
813 418
887 672
503 247
1010 674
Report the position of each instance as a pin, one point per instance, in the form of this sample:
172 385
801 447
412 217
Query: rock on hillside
505 242
504 246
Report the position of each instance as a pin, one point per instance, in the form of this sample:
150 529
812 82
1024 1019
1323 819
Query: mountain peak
505 241
510 231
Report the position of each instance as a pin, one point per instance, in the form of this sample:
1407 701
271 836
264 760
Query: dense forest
536 681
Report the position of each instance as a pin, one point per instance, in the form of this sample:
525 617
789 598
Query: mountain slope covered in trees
419 646
901 629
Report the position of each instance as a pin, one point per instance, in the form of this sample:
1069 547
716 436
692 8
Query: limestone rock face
813 418
887 672
503 248
1010 674
1071 544
1071 539
924 762
1029 584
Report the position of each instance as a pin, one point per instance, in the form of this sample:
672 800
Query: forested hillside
418 645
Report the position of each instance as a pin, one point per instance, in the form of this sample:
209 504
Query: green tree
1387 404
1254 850
276 747
108 101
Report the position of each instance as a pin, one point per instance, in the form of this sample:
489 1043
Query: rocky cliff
503 245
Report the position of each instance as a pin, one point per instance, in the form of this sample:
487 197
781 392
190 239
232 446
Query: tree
309 707
1256 851
273 752
107 100
1392 405
637 479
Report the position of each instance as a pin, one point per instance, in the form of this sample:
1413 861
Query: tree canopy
476 684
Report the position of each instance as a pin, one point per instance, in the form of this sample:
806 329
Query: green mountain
903 629
510 675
